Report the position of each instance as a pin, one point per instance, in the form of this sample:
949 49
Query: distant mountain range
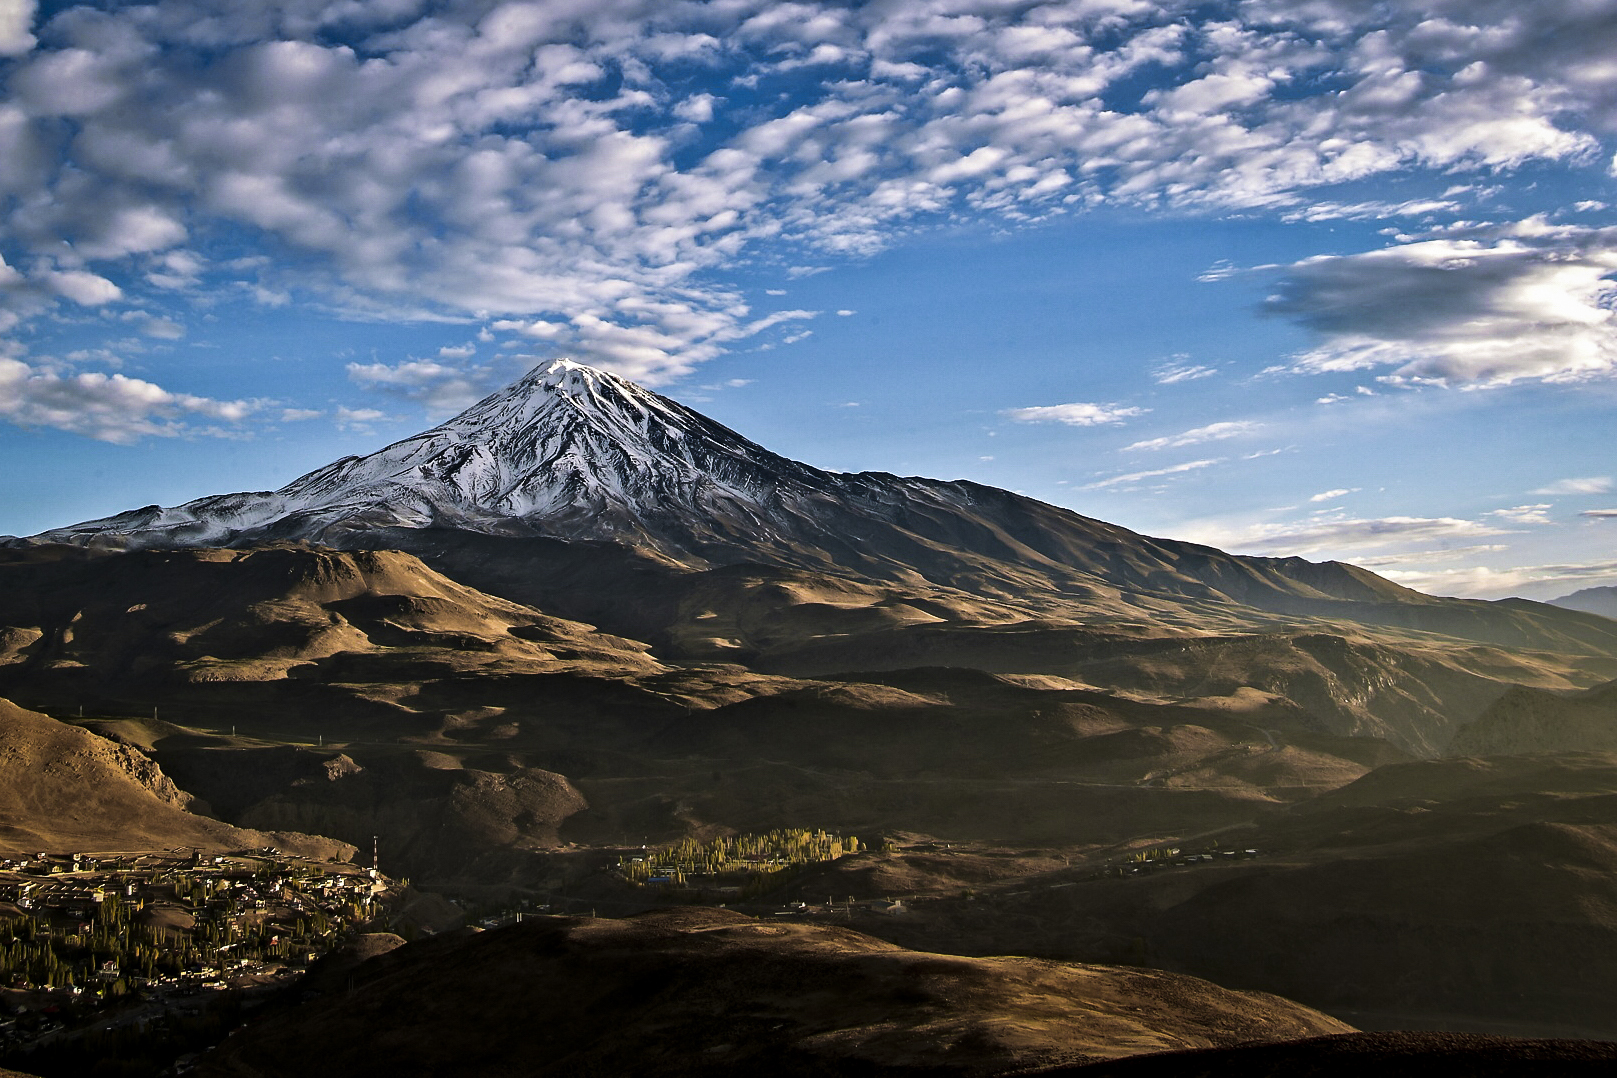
1602 601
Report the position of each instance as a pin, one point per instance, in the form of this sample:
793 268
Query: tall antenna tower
376 843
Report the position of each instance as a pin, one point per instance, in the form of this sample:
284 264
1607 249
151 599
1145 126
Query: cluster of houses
156 933
1156 860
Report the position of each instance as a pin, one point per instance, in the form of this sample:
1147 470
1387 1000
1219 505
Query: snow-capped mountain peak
564 441
559 384
566 450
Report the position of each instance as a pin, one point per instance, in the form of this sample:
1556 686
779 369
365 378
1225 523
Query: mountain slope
1527 720
572 453
65 788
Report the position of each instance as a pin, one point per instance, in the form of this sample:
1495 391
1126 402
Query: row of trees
770 853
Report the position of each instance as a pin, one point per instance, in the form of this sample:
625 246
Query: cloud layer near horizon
594 173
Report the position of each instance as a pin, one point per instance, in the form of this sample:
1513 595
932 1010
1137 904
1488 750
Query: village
157 944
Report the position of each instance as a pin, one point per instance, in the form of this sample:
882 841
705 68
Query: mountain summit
567 451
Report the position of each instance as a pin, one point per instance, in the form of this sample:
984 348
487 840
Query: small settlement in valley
136 939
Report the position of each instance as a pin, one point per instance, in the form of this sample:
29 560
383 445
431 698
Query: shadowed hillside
715 993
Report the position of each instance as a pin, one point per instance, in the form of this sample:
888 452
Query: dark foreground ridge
711 992
1351 1055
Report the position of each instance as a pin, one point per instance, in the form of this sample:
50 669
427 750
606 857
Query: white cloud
1523 514
697 108
108 408
1332 495
1527 301
1422 557
164 329
16 18
82 287
442 389
1486 582
358 419
1359 211
1175 373
1155 473
1077 414
1213 432
1599 514
298 415
1591 484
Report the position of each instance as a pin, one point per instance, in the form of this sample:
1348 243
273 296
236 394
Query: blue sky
1316 277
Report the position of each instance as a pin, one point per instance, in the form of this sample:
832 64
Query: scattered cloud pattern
595 170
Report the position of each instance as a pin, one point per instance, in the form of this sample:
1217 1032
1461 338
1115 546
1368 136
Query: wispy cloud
1360 211
1344 536
1077 414
443 388
1524 514
1592 484
1154 473
1213 432
358 419
1174 373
